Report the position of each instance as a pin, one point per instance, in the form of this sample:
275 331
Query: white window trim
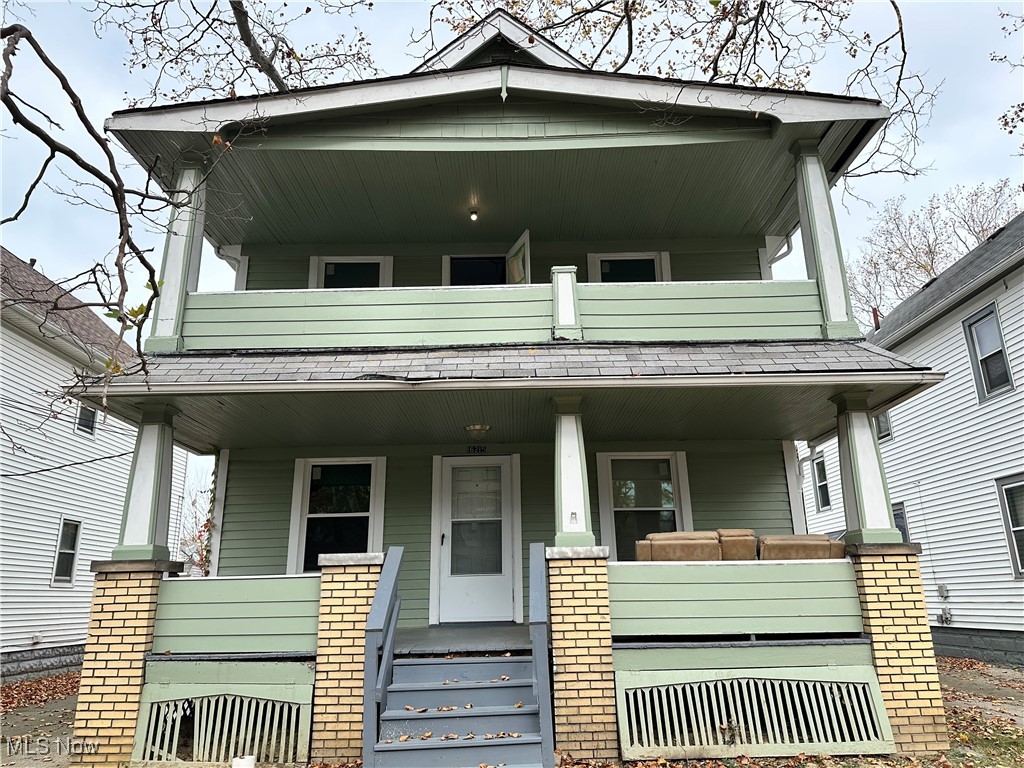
973 355
95 423
300 505
56 553
815 484
1002 483
317 264
437 484
680 483
662 264
875 421
794 486
446 265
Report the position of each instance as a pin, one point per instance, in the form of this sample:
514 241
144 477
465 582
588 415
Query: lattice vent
214 729
748 715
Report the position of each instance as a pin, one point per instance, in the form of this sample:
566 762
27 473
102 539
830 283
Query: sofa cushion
683 536
807 547
686 550
737 544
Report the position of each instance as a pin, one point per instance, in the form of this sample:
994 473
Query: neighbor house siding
946 453
40 434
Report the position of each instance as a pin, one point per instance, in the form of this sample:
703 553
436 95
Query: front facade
496 321
954 456
65 471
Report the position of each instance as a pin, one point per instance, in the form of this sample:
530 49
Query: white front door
476 581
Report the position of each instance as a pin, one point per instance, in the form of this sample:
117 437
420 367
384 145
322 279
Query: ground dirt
984 704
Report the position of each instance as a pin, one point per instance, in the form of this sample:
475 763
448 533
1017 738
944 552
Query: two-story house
954 457
64 471
499 303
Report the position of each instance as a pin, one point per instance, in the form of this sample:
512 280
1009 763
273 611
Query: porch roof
630 392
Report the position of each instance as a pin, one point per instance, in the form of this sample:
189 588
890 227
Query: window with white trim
641 493
339 510
648 267
821 494
350 271
899 517
988 353
883 426
65 557
86 421
1011 499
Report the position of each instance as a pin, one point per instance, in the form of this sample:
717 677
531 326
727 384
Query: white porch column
822 250
572 491
565 305
147 503
179 273
865 494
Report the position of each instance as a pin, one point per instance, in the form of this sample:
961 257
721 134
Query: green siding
723 598
257 513
740 489
745 656
407 501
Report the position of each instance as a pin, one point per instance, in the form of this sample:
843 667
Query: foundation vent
752 716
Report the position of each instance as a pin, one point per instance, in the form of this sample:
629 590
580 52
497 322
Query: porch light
478 431
473 216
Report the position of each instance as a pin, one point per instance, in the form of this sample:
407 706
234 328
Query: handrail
380 643
539 642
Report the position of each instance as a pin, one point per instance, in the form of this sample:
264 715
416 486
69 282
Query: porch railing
381 624
539 643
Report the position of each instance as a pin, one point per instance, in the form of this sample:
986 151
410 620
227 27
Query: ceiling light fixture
478 431
473 214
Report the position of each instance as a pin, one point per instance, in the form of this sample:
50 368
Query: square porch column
573 526
147 503
822 250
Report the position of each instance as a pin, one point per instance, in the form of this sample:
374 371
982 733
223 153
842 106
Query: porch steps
495 722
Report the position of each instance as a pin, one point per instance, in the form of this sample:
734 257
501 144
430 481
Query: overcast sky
950 41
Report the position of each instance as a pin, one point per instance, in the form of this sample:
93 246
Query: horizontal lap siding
257 514
743 488
733 598
700 311
407 500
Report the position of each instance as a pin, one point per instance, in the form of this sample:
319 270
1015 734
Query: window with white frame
821 493
899 517
641 493
86 421
883 426
988 353
67 553
647 267
350 271
1011 499
337 508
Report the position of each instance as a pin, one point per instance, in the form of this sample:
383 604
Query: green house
498 302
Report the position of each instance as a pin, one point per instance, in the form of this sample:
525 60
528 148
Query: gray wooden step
430 695
464 670
478 720
435 753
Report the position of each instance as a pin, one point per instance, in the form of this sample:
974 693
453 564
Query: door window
477 270
476 521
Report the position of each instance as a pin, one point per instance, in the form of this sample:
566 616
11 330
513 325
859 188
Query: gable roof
496 26
35 303
1001 253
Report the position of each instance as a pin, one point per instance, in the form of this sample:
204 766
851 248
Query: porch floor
461 638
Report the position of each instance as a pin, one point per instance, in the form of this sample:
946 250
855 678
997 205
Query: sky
950 41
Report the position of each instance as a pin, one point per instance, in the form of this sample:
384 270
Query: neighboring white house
954 455
63 469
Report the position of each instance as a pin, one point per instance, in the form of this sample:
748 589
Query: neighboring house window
628 267
642 494
338 510
1011 499
988 353
86 422
883 427
350 271
821 484
899 517
67 553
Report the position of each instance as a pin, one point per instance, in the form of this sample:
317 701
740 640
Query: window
476 270
821 484
640 494
899 517
67 553
883 427
628 267
337 508
988 354
1011 499
86 422
350 271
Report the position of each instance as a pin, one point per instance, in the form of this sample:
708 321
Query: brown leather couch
736 544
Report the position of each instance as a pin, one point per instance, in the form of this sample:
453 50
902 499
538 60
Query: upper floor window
648 267
350 271
883 427
1011 499
86 421
821 484
67 553
988 353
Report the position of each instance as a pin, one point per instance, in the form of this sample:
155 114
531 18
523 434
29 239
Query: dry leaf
403 738
519 705
409 708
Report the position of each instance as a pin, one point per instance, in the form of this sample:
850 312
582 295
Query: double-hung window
337 508
988 353
67 553
821 493
1011 499
86 421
